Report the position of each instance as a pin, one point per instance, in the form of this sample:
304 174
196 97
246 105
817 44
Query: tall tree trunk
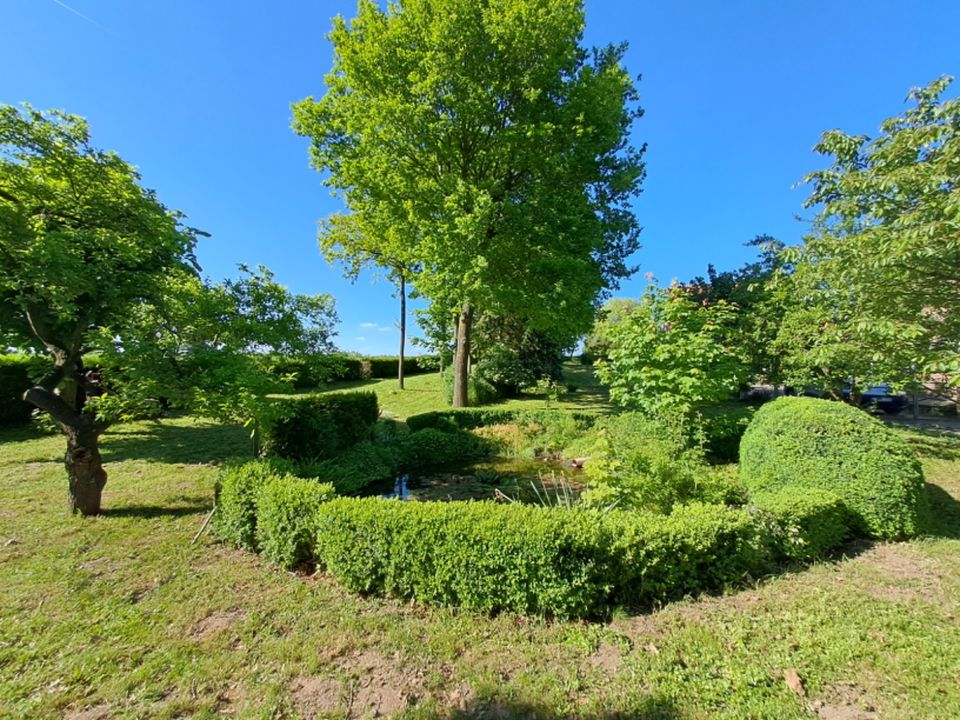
403 326
85 473
462 358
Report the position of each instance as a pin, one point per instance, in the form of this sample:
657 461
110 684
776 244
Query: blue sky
197 94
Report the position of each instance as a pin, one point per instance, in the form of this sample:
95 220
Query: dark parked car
883 398
879 396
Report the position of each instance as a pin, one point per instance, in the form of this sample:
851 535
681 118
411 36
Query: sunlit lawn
120 616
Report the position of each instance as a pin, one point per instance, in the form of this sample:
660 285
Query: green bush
316 427
810 443
643 462
723 425
481 556
697 547
14 381
551 561
286 509
235 519
802 524
435 448
470 418
364 464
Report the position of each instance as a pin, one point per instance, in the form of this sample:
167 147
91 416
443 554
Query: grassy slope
120 616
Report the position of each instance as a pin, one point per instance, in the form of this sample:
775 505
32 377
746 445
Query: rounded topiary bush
805 442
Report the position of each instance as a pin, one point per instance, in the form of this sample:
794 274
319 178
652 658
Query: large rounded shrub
806 442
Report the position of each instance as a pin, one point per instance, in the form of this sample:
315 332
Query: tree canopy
878 279
92 261
493 146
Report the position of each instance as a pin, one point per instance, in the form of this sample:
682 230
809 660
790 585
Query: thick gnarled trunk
85 474
461 360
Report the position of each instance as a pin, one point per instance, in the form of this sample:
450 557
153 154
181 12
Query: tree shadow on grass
196 506
177 444
493 708
941 517
931 443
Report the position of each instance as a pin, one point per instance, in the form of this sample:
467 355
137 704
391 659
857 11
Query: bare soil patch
365 685
216 622
844 702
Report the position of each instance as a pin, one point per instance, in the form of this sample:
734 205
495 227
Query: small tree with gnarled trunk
80 242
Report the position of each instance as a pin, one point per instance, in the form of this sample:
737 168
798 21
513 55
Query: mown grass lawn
423 393
120 616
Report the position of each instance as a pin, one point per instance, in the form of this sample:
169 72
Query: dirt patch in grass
606 659
904 574
313 695
844 702
100 711
366 684
216 622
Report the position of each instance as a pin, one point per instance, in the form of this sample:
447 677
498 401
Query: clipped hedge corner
286 512
802 524
810 443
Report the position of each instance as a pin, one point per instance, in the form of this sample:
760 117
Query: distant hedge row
311 371
14 381
471 418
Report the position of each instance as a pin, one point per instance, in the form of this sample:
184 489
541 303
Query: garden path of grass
121 617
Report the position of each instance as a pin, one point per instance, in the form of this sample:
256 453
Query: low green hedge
14 381
480 556
696 547
811 443
286 512
551 561
802 524
261 506
235 496
316 427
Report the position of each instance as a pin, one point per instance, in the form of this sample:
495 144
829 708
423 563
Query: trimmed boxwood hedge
14 381
235 497
261 506
315 427
802 524
286 511
811 443
551 561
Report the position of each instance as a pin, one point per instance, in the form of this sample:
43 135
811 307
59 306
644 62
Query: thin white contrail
80 14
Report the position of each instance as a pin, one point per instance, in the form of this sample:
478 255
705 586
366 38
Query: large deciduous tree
496 144
877 282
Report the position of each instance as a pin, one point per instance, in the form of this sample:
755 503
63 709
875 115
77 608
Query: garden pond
542 481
